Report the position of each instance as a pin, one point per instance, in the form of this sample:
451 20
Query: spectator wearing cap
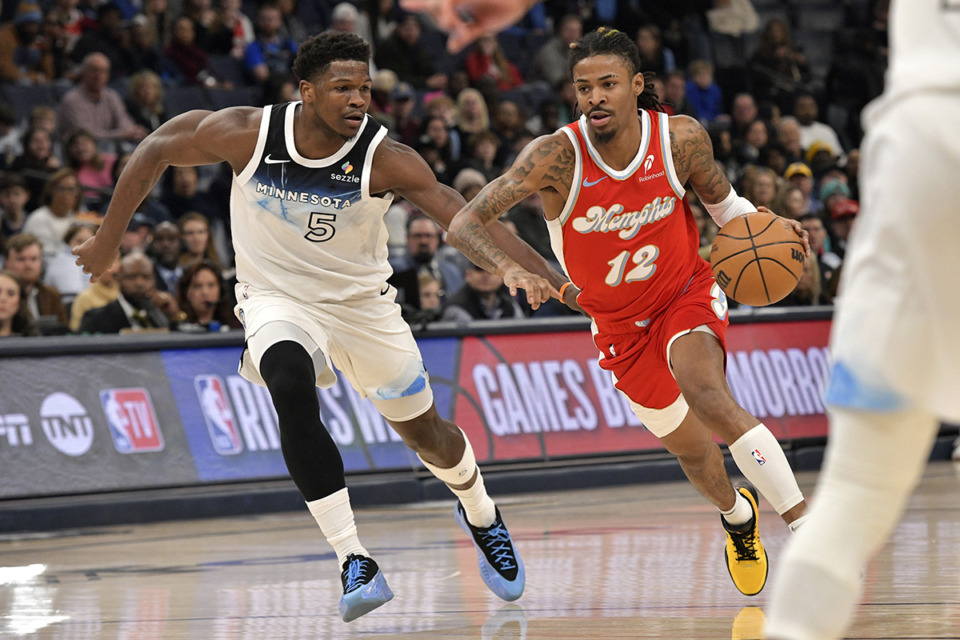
60 202
406 125
24 258
843 212
94 106
806 110
22 56
831 191
820 157
800 175
138 235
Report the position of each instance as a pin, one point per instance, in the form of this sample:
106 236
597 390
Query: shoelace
746 545
497 542
356 575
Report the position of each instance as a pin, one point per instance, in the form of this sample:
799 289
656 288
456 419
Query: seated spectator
11 138
547 119
550 61
197 240
94 106
436 133
345 18
508 123
773 155
654 56
201 296
93 169
271 52
104 291
829 262
843 213
15 319
14 196
60 202
706 226
233 31
806 110
778 69
108 39
788 134
404 53
144 50
144 101
831 192
471 116
203 16
160 17
821 158
790 202
759 186
486 60
138 305
482 297
469 182
755 137
703 93
24 258
406 125
423 244
22 57
62 271
674 98
181 194
188 57
809 289
138 234
431 296
743 111
799 175
527 218
37 163
296 30
483 149
165 250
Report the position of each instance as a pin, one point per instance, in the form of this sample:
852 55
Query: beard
605 137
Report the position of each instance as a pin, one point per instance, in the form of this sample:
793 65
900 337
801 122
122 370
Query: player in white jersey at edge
312 182
895 345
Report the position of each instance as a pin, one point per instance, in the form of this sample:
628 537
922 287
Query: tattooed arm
190 139
546 164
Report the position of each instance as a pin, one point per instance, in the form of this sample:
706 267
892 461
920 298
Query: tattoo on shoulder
693 160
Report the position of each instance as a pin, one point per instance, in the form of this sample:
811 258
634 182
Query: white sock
335 517
796 524
740 513
480 509
761 460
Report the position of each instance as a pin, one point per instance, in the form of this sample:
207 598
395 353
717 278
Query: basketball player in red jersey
612 186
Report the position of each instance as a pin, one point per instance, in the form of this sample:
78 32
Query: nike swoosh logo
587 183
385 290
270 160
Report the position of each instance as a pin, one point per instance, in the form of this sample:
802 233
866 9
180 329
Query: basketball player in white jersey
895 345
312 182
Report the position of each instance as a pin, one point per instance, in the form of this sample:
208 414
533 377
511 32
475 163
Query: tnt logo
758 457
133 422
66 424
216 411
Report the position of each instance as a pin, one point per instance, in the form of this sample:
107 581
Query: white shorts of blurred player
367 340
895 342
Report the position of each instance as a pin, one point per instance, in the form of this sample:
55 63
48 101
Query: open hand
804 236
537 288
464 20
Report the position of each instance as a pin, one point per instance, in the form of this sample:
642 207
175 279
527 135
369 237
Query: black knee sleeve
311 455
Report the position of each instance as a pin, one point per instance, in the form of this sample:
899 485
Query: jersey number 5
645 258
321 227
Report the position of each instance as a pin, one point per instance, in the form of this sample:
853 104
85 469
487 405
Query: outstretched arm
190 139
402 170
694 162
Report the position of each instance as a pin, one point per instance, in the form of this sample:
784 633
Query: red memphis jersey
627 238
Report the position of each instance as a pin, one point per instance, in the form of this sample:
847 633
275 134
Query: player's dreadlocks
316 54
607 41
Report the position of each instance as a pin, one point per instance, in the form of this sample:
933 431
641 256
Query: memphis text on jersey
598 218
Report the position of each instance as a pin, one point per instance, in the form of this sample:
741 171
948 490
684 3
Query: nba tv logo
217 413
134 427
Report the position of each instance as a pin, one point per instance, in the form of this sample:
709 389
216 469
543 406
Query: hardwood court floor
627 562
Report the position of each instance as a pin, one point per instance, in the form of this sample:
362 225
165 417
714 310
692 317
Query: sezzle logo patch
133 422
347 167
66 424
221 425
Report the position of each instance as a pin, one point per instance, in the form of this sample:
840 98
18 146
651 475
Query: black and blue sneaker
364 587
500 565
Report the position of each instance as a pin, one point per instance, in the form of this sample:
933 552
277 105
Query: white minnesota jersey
924 45
310 228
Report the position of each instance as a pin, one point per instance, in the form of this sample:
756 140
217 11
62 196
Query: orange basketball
757 259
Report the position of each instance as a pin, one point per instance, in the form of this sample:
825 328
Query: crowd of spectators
778 84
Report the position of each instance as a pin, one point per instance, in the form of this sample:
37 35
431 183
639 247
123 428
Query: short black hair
316 53
607 41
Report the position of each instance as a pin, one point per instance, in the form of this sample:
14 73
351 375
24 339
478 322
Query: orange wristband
564 288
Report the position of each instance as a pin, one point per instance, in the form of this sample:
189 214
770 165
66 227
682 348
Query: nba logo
758 457
133 422
216 411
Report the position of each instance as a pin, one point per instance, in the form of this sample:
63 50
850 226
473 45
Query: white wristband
729 208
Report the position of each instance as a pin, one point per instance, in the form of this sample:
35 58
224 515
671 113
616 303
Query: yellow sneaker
745 555
748 625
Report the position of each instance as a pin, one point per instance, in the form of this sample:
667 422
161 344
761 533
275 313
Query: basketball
757 259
